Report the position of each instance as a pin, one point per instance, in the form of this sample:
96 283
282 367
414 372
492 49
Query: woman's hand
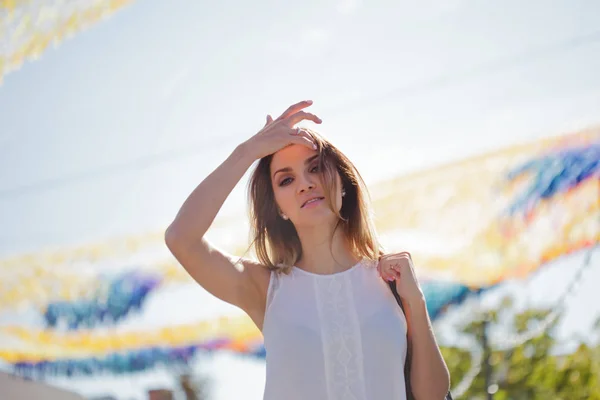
399 267
279 133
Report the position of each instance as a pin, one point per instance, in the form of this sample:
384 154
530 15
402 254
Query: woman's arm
211 268
430 379
429 376
244 284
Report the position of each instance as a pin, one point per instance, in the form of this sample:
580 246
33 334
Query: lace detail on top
333 337
341 338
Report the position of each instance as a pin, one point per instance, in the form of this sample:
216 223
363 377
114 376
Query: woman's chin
320 216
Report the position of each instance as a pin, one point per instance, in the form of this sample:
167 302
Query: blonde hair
275 240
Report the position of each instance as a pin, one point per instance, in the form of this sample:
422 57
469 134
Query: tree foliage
532 370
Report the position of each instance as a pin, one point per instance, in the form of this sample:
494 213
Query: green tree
529 371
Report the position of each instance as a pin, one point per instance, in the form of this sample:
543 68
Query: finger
398 256
390 277
301 116
386 272
404 260
295 108
393 269
383 265
304 141
396 274
301 132
386 276
269 120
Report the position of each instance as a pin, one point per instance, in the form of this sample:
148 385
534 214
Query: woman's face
296 182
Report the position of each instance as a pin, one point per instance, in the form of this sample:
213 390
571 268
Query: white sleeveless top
333 337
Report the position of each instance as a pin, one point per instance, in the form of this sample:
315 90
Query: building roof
18 388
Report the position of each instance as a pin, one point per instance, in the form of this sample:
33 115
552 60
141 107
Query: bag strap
407 363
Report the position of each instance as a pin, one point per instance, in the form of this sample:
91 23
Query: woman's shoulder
259 273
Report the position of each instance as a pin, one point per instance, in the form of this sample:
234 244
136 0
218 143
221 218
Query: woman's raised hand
279 133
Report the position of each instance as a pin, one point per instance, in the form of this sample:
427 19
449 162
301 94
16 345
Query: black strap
407 363
409 395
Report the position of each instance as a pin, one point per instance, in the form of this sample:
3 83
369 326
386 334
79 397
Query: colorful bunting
27 28
123 295
469 226
460 221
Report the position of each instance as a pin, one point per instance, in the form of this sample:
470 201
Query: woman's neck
323 253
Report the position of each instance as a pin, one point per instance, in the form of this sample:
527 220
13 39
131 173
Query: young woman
319 290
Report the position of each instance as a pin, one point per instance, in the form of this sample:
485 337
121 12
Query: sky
108 133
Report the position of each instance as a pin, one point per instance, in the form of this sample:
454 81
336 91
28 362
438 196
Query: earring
343 193
284 217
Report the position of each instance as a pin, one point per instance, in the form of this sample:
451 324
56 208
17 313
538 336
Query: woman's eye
314 169
285 181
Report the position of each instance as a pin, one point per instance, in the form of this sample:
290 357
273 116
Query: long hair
275 240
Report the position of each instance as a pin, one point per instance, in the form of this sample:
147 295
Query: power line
130 165
518 340
399 92
524 57
502 342
477 351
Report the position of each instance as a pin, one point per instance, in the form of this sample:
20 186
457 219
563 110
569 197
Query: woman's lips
313 202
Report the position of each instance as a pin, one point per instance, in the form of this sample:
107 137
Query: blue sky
108 133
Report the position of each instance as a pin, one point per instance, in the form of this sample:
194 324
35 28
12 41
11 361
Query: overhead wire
502 343
191 149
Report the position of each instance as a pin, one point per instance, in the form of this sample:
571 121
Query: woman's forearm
201 207
430 379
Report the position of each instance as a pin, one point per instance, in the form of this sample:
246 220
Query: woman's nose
306 184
